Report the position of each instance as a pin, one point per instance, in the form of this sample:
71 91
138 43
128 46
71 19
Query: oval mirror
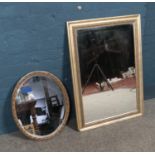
40 105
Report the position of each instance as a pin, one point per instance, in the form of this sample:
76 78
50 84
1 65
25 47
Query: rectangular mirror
106 64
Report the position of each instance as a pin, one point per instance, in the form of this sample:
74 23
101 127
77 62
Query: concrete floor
136 134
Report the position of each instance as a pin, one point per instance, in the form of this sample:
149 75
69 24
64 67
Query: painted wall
33 37
149 51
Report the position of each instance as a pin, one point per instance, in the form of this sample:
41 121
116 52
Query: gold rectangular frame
72 26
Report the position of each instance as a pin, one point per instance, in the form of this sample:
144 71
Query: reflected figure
39 105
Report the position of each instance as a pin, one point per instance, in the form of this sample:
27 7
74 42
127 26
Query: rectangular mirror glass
106 68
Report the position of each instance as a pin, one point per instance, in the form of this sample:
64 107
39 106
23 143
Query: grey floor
136 134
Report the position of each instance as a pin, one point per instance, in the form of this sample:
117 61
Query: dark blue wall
149 52
33 37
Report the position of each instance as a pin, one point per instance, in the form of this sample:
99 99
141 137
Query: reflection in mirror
40 105
107 68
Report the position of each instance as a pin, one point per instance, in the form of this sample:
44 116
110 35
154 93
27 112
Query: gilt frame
66 100
72 26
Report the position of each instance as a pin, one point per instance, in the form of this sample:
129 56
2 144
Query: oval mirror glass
40 105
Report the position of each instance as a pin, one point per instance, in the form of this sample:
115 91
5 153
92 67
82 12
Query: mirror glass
40 105
107 65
